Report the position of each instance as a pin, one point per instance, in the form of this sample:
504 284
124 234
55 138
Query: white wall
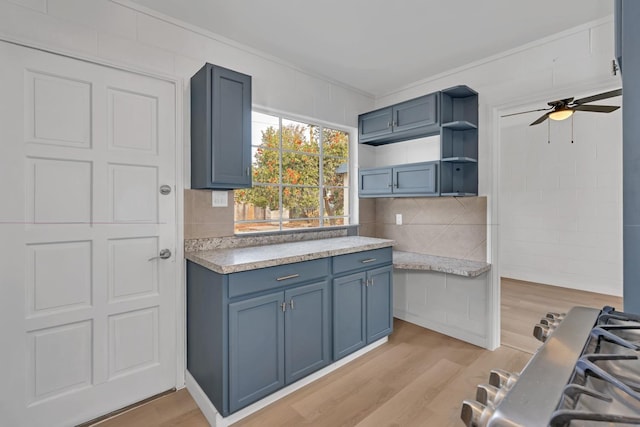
575 62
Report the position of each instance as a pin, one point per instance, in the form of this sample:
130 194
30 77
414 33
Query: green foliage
300 171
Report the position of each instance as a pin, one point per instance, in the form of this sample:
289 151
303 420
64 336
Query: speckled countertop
233 260
461 267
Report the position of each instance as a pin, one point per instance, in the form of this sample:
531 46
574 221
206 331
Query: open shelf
459 142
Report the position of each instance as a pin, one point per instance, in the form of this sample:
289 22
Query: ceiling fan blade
596 108
525 112
598 97
540 120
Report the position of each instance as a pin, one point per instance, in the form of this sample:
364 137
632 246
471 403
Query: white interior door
87 321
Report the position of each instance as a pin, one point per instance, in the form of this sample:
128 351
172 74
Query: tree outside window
300 177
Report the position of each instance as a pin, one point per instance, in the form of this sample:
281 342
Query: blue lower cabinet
251 333
256 349
362 300
275 340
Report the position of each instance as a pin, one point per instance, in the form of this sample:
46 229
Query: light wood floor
524 303
419 378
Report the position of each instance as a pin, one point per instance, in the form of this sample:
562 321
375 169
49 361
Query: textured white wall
561 203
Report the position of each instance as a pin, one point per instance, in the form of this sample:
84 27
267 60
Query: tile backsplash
445 226
202 220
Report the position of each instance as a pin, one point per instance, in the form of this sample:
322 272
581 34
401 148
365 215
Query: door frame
179 156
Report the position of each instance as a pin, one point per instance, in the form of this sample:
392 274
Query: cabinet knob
291 303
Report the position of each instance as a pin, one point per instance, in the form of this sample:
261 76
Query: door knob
164 254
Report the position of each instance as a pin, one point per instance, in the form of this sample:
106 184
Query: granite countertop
233 260
461 267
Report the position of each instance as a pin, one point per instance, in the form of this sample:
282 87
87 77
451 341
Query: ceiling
377 46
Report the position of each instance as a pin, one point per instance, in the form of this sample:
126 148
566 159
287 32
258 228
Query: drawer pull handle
291 276
367 261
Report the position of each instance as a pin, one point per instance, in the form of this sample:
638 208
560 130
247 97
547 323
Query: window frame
350 189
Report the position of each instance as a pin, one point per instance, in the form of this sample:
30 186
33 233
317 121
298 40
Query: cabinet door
306 328
256 349
416 113
416 179
374 182
379 303
374 124
231 131
349 328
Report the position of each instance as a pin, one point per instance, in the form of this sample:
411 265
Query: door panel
349 328
256 349
379 303
90 321
306 330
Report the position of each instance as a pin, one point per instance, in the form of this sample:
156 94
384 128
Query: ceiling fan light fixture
561 114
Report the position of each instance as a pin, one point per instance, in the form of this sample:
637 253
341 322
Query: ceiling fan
564 108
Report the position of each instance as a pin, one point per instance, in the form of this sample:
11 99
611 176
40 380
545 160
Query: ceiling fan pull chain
548 132
572 128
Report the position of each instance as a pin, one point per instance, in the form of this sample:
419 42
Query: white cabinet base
452 305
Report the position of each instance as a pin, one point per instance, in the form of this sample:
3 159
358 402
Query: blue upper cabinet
220 129
411 180
410 119
375 125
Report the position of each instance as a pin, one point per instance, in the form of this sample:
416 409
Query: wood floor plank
411 403
524 303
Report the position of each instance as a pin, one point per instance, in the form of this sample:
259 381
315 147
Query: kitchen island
263 321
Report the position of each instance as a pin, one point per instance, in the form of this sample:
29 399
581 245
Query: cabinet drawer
359 260
263 279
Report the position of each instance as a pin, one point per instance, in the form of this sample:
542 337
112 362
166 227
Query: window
300 177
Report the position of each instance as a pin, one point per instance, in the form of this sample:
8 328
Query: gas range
587 374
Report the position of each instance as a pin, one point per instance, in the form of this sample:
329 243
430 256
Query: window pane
336 171
257 203
297 136
335 143
266 165
335 201
256 227
328 222
303 223
300 169
265 130
301 202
